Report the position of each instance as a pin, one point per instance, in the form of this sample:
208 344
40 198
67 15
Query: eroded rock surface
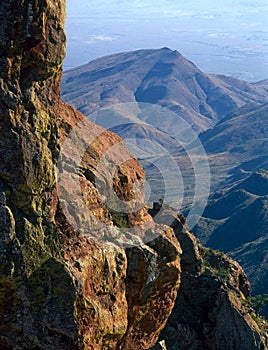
212 310
62 287
70 277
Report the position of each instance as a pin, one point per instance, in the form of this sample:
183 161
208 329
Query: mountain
237 215
196 315
253 256
162 77
83 264
136 77
230 134
236 222
238 144
235 111
262 84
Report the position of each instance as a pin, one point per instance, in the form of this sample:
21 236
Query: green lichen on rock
215 263
36 247
34 279
10 304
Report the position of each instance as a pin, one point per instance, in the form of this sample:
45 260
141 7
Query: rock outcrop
70 278
212 310
60 289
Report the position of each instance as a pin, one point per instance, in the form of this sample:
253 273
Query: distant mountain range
232 112
238 144
232 118
236 221
162 77
236 215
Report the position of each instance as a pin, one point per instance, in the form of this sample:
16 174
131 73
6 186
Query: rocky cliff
212 309
71 278
59 289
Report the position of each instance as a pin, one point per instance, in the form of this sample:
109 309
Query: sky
223 36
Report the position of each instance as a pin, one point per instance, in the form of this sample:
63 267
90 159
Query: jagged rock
59 288
152 271
212 310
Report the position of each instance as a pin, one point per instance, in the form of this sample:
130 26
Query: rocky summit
74 273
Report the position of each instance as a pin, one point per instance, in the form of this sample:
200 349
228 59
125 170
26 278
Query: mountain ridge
236 222
238 143
159 76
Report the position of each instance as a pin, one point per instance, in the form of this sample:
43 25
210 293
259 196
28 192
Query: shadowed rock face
59 287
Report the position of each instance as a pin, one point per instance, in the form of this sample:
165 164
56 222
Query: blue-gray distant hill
162 77
238 144
236 222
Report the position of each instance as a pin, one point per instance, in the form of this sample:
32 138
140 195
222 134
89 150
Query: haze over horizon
229 37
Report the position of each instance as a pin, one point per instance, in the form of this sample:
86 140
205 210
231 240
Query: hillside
236 222
262 84
161 77
239 214
244 132
234 112
237 145
253 256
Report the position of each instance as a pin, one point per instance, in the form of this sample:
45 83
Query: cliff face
58 288
64 285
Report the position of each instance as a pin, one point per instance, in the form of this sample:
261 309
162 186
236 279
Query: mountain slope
237 215
238 144
262 84
253 256
160 76
236 221
233 133
191 323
